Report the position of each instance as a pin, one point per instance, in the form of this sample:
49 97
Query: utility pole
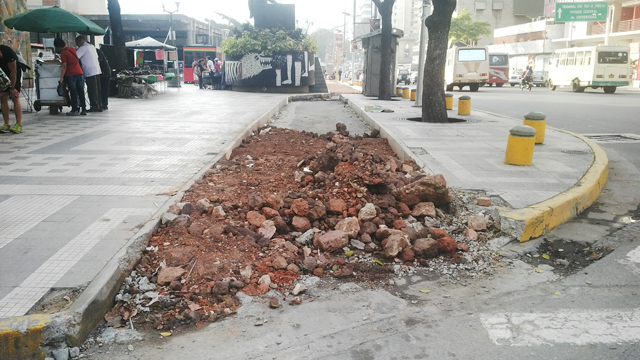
426 11
171 32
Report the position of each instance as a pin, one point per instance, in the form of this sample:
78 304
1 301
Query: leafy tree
387 54
117 34
467 31
434 108
267 41
324 40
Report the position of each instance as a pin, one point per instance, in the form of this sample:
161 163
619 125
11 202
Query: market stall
151 76
47 73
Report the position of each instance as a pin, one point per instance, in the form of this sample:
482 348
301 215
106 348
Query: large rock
432 188
477 223
317 211
274 201
437 233
336 206
447 245
300 207
331 240
384 233
426 248
255 218
268 229
367 212
169 274
394 244
301 224
424 209
281 225
269 213
350 225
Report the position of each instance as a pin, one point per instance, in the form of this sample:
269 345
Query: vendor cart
47 77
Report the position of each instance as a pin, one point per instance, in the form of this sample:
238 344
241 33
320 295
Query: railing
629 25
598 28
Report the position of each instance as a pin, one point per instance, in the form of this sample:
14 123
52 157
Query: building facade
75 6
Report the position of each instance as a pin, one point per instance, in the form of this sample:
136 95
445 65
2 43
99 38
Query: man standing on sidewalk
105 79
10 67
71 74
88 57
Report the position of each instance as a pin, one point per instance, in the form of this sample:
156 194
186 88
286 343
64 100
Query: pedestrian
201 70
13 72
217 75
196 71
105 79
71 74
340 75
90 64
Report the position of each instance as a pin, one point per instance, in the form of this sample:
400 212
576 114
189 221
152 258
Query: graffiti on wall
17 40
282 69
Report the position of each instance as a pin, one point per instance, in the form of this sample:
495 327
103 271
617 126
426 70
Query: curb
32 336
535 220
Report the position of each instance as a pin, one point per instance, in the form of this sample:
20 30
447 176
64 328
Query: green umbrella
53 20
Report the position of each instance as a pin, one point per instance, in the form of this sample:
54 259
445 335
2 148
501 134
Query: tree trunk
434 108
117 34
387 51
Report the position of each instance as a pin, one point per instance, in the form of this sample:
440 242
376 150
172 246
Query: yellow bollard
536 120
413 94
464 105
399 90
448 97
522 140
406 93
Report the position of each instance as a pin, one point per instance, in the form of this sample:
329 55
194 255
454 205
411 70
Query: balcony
629 25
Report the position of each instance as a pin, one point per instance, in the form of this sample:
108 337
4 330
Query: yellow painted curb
21 337
536 220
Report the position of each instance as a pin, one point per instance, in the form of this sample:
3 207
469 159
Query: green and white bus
602 66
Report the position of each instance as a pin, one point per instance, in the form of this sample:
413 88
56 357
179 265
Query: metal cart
47 76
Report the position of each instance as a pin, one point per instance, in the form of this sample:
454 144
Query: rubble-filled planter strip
289 204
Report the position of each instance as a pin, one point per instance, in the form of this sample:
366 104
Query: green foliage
465 30
267 41
324 40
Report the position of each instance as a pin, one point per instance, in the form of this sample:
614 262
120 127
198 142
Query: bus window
613 57
587 58
472 55
498 60
571 58
563 59
580 58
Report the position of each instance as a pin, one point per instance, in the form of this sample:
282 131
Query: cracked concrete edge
33 336
535 220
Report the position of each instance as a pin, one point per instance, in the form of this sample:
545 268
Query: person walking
196 75
105 79
90 64
71 74
217 75
13 71
201 70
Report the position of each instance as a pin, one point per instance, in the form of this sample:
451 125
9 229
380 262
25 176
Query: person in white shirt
90 64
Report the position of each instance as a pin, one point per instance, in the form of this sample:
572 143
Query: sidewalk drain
418 150
614 138
576 152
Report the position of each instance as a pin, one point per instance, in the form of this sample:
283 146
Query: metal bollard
449 100
413 94
464 105
536 120
406 92
399 90
522 140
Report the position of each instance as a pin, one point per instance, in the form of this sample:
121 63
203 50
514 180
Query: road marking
634 255
576 327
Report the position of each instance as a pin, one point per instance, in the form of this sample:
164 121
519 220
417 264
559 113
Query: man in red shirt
71 74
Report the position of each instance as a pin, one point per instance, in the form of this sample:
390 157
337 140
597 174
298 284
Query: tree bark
387 50
117 34
434 108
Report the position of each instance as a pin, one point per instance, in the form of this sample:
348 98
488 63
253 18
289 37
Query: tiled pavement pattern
471 155
74 190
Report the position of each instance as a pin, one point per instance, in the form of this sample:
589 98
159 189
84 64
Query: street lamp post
171 32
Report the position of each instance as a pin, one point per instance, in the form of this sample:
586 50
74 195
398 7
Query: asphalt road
591 112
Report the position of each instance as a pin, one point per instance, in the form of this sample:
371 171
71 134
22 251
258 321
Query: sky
319 13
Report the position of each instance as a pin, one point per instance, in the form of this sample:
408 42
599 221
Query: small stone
407 255
350 226
394 244
205 204
358 244
293 268
169 274
424 209
331 240
306 238
300 207
399 224
255 218
407 168
368 228
274 303
365 238
274 202
477 223
484 201
318 272
336 206
310 263
446 245
217 213
404 209
196 229
60 354
463 247
298 176
221 287
471 234
368 212
246 273
74 352
130 347
279 263
265 279
268 229
269 213
300 224
144 285
426 248
299 288
168 217
437 233
429 222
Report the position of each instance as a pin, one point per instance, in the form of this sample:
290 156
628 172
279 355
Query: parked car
404 77
414 77
540 79
514 79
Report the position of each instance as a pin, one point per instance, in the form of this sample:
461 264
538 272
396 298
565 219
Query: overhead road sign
581 11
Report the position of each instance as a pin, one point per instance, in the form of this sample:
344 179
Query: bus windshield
498 60
613 57
472 55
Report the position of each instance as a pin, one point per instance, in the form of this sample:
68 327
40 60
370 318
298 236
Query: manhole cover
615 138
576 152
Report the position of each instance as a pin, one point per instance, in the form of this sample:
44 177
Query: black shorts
18 80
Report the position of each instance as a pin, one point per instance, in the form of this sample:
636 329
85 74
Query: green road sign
581 11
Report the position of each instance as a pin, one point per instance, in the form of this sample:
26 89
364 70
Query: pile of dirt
287 204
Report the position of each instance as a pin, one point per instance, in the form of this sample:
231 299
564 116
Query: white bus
467 66
602 66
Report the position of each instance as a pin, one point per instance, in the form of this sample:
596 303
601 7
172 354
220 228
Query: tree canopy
324 40
465 30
